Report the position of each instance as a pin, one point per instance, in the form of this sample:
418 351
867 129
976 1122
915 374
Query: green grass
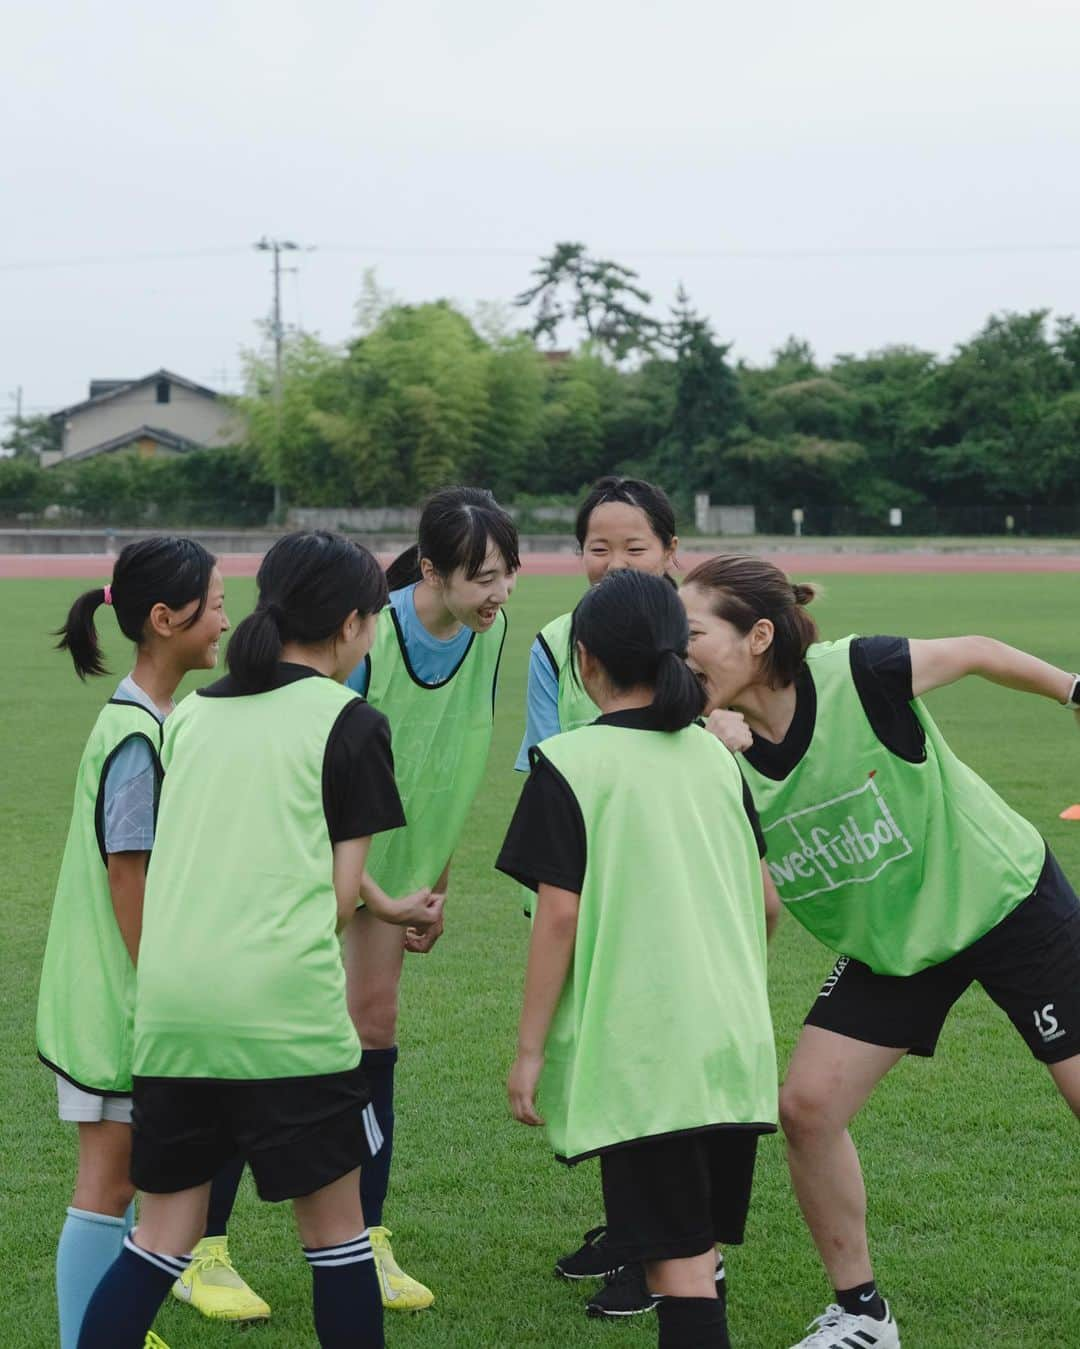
971 1159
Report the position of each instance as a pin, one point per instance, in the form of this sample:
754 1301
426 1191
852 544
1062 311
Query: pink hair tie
108 594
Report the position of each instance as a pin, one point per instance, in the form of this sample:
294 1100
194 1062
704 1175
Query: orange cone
1071 813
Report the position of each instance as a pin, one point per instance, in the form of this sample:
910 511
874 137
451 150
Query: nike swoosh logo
182 1289
867 1297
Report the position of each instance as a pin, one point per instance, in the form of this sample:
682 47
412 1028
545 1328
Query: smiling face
474 601
725 660
196 647
620 535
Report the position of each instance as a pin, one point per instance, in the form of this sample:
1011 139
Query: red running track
95 566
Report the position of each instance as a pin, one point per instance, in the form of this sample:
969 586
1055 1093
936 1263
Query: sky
853 173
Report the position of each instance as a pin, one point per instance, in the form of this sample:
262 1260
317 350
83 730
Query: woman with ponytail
432 671
645 1023
897 856
276 779
168 599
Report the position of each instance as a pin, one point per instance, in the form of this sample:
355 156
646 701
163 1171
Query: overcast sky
853 172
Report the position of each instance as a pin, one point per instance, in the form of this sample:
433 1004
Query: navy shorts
1029 964
297 1134
678 1195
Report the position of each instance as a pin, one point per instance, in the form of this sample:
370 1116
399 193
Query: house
161 413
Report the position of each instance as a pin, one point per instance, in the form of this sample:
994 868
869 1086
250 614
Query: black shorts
678 1195
296 1133
1029 964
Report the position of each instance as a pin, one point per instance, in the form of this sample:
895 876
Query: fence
763 517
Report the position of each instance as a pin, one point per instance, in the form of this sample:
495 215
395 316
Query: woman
896 855
645 1022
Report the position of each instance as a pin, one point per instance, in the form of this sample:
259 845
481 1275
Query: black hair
457 527
309 583
631 492
158 570
635 626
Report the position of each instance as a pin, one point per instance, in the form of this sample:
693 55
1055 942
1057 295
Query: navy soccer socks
127 1299
345 1295
378 1066
692 1323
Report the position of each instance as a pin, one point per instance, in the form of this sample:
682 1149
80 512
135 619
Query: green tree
30 437
708 403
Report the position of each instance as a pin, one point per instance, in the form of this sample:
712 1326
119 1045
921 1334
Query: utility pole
277 247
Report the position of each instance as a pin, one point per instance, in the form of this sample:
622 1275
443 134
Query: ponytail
309 584
158 570
255 649
635 626
679 698
78 636
405 569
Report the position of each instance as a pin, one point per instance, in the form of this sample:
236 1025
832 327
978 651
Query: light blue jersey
541 704
131 784
433 661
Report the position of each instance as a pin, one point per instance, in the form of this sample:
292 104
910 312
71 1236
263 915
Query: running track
92 566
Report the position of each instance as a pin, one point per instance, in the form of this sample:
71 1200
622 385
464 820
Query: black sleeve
752 816
881 671
360 796
545 843
885 663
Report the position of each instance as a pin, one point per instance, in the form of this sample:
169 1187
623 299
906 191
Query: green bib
240 973
87 998
900 865
663 1023
441 737
576 708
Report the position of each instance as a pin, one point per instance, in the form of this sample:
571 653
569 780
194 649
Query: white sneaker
838 1329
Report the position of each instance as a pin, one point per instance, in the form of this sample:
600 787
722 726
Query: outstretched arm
944 660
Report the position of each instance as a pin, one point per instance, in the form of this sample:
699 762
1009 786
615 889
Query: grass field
971 1159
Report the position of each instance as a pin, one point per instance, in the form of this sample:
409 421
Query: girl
432 671
622 522
168 598
276 778
645 1020
896 855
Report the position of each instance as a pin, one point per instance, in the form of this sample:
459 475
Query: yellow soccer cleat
213 1287
399 1291
153 1341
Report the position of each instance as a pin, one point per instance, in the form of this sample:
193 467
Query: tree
29 437
708 402
991 399
596 292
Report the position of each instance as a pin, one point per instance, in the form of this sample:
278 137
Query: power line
118 259
675 253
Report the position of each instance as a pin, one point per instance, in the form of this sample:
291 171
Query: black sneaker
625 1293
591 1260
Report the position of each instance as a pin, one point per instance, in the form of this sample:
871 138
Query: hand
521 1087
730 729
418 940
419 911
